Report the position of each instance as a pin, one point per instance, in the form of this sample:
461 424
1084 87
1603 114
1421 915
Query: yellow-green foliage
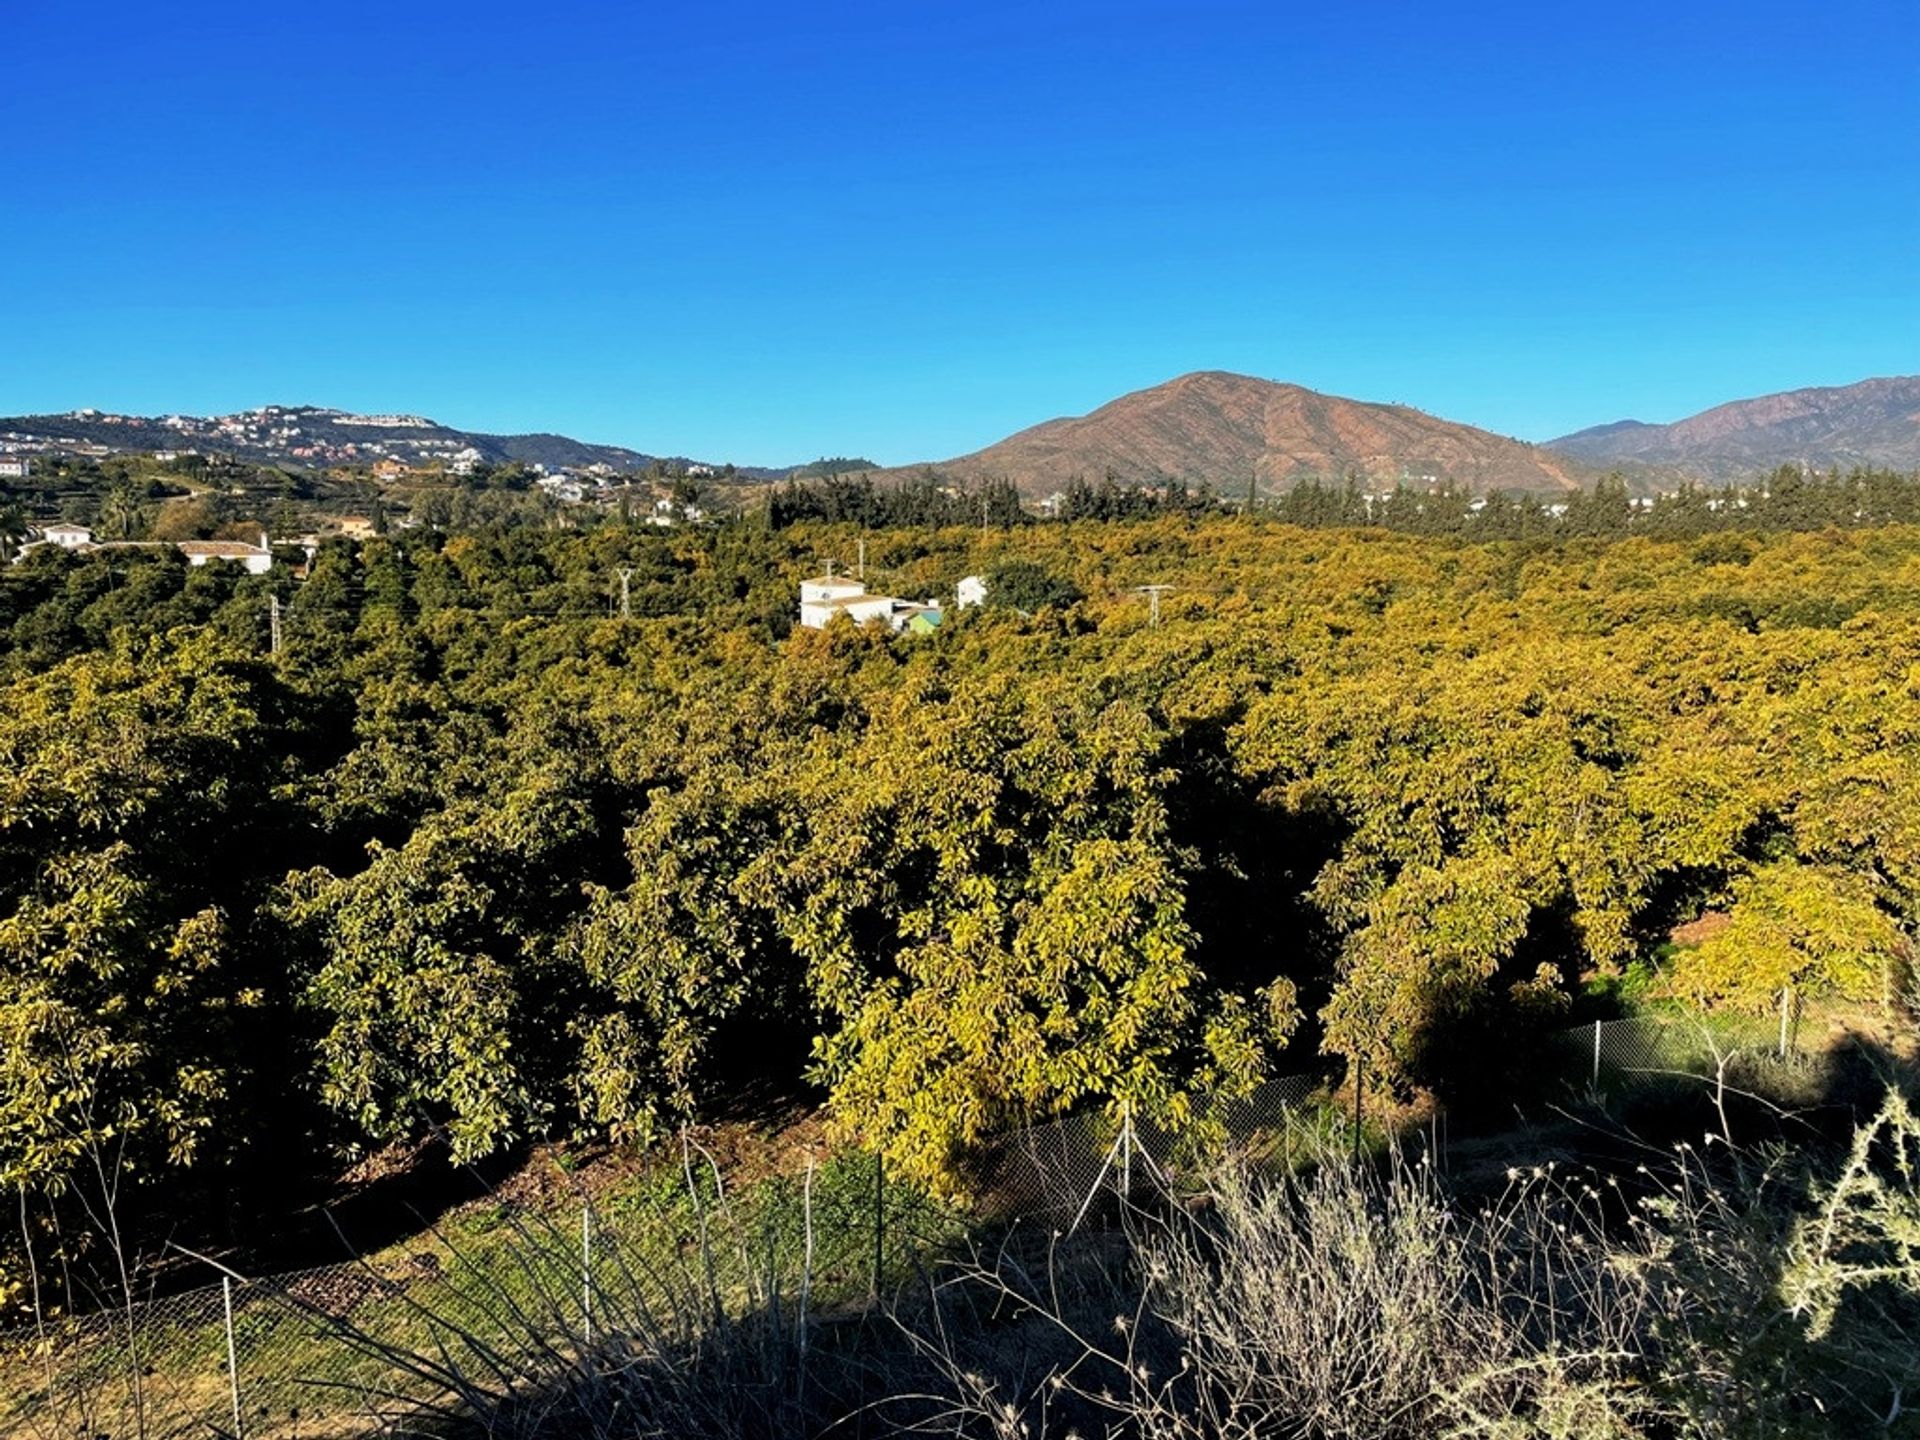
504 865
1815 930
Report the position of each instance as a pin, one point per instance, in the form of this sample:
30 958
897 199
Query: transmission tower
1153 594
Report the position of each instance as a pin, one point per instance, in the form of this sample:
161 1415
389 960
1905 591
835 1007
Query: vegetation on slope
469 857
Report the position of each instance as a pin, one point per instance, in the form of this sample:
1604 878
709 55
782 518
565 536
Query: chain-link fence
1644 1050
512 1289
1060 1170
314 1353
230 1358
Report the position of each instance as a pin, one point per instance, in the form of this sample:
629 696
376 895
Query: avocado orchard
470 856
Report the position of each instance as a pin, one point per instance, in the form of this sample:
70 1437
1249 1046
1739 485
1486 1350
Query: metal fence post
233 1363
1786 1005
1596 1054
586 1270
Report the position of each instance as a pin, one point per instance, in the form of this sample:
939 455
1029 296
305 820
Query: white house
821 600
970 591
67 537
828 596
15 467
831 595
257 559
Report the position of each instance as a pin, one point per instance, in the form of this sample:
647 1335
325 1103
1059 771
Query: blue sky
767 232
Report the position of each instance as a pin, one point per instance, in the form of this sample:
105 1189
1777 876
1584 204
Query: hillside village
389 448
303 434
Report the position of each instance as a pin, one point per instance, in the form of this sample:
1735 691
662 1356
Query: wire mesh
1640 1050
1050 1170
318 1352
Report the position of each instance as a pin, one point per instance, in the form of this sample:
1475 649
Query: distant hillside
1225 429
830 465
1876 422
308 436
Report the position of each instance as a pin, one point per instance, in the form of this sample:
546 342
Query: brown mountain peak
1224 429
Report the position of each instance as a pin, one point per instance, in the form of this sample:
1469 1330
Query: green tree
125 988
124 512
1027 586
1810 929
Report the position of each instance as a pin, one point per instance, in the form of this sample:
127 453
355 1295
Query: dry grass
1713 1293
1717 1294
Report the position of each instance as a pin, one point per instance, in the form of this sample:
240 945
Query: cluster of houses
604 486
596 484
830 595
257 559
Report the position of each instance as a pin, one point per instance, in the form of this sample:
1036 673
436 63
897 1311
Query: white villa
830 595
67 537
257 559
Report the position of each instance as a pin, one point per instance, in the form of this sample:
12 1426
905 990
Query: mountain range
1876 422
1226 430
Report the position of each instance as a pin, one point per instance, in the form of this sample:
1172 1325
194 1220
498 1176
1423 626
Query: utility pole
273 623
626 594
1153 594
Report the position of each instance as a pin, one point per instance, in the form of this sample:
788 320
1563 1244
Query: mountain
1876 422
1224 429
306 436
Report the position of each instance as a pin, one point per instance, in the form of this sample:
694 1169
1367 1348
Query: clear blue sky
767 232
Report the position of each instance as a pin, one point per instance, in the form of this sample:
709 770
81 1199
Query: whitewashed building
822 599
67 537
831 595
257 559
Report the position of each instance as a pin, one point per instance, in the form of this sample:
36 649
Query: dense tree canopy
471 855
